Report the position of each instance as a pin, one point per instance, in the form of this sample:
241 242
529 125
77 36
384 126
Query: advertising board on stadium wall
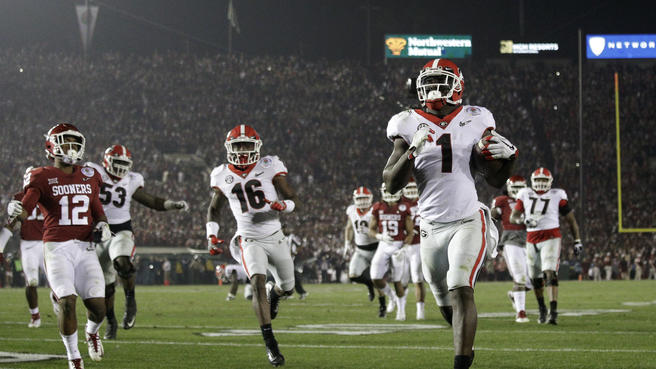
428 46
512 47
620 46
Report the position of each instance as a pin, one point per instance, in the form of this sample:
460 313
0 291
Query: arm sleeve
279 167
394 126
31 197
138 180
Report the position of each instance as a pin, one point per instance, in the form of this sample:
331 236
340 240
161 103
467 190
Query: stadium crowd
326 120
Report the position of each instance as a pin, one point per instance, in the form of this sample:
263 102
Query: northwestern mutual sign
428 46
621 46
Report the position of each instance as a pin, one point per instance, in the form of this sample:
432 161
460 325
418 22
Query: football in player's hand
481 159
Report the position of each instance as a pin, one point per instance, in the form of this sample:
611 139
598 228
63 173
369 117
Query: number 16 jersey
247 191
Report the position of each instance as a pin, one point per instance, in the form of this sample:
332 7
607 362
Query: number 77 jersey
545 207
247 191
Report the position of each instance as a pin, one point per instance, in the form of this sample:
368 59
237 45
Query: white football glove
419 140
101 232
531 222
14 209
384 237
578 247
176 205
499 147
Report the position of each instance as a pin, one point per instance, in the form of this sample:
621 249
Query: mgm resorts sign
428 46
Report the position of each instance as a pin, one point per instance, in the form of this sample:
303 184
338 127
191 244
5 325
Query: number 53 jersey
116 196
447 191
247 193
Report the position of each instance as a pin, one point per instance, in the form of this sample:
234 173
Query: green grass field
194 327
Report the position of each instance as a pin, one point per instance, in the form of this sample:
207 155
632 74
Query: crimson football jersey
32 226
69 202
414 212
506 204
391 219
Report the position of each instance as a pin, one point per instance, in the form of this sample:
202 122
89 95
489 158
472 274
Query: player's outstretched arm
398 169
291 201
348 237
574 227
157 203
213 218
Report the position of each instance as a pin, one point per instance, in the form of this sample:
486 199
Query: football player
539 208
413 269
357 231
120 186
31 250
251 185
392 225
74 218
512 244
235 273
435 145
294 242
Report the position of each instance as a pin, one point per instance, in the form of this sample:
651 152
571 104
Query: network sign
621 46
428 46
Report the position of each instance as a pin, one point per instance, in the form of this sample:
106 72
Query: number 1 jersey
247 191
116 197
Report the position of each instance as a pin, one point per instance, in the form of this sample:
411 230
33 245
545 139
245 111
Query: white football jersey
545 208
116 197
247 195
446 187
360 223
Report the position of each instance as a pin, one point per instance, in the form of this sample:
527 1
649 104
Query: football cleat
303 296
130 312
400 315
35 321
274 355
543 315
76 364
112 327
512 299
230 297
274 300
521 317
96 351
553 315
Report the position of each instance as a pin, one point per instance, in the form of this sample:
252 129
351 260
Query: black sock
267 333
381 300
129 294
553 305
110 315
462 362
541 302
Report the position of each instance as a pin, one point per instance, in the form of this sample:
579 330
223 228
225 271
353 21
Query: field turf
601 325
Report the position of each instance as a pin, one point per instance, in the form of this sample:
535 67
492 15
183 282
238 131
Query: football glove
384 237
497 147
419 140
101 232
14 209
213 242
530 222
284 206
176 205
578 247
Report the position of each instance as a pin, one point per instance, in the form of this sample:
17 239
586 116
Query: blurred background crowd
326 121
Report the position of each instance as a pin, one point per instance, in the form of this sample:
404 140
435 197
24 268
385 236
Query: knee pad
553 281
124 271
109 290
538 283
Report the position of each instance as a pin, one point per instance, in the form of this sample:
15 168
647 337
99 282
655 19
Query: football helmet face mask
439 83
541 180
389 197
243 145
514 184
117 161
410 191
362 198
66 142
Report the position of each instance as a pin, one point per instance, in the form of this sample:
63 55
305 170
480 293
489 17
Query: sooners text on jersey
360 222
442 172
391 219
116 197
247 192
69 202
545 208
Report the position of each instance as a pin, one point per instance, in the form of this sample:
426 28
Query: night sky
332 29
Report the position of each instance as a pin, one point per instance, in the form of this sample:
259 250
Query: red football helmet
58 137
410 191
514 184
117 160
541 180
362 198
243 145
440 82
388 196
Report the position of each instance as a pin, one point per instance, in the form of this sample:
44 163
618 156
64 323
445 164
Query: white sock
420 307
93 327
35 310
520 300
400 303
70 342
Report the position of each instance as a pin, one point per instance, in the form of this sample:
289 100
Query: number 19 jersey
247 191
447 191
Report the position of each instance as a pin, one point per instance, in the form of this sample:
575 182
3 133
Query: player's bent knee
553 281
124 268
33 283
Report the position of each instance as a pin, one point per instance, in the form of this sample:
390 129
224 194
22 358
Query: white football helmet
514 184
387 196
410 191
541 180
362 198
